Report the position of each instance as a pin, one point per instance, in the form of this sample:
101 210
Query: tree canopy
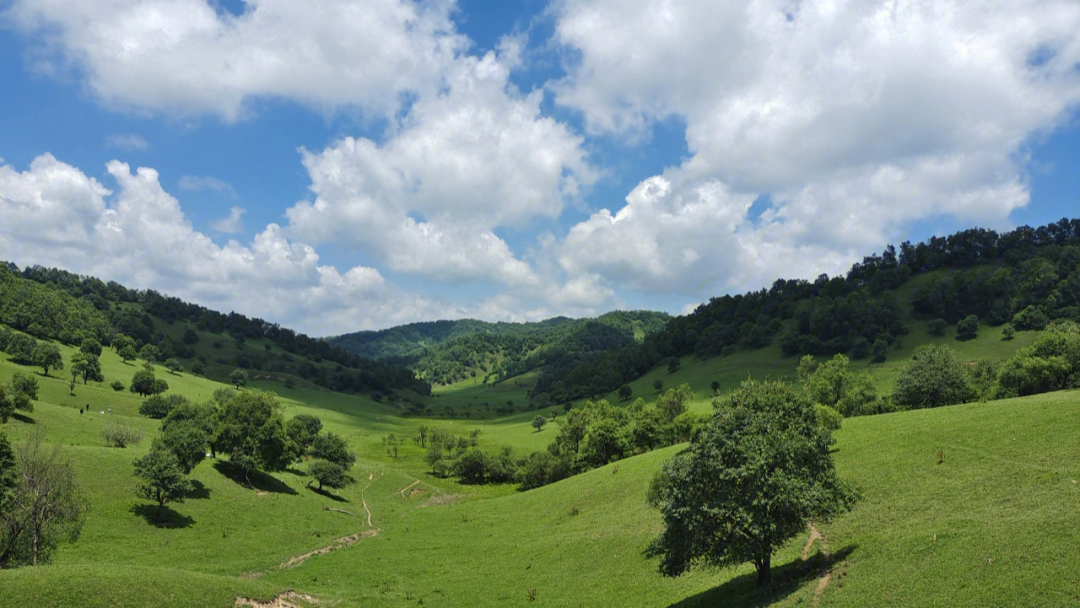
748 482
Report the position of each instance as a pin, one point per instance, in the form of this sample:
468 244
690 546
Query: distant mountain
444 352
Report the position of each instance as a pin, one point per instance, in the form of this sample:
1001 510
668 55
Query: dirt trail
402 490
341 543
826 570
366 508
282 600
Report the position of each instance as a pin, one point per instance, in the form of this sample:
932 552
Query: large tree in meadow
748 483
250 429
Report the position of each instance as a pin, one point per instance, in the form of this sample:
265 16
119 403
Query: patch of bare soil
826 569
288 599
441 499
341 543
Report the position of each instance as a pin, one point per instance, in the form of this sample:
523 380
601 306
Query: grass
991 525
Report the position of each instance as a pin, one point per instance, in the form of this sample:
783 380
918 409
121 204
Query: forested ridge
1027 277
53 304
444 352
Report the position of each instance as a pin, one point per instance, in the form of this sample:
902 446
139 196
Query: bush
1007 332
828 417
968 327
118 435
159 406
937 327
117 386
935 376
541 468
1031 317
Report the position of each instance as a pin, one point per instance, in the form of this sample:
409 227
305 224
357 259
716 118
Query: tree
539 422
45 508
748 483
1007 332
658 385
118 435
162 479
673 403
715 386
238 378
250 429
937 327
144 383
327 473
23 390
86 366
625 392
47 356
127 353
334 448
879 351
150 353
673 364
190 337
186 440
968 327
302 430
120 342
158 406
90 346
935 376
173 365
7 404
9 478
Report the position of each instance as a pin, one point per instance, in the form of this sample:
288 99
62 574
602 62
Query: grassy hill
993 524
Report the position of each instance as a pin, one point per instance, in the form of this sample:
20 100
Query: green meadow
973 505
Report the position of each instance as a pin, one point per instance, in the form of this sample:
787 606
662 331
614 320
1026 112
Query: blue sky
342 165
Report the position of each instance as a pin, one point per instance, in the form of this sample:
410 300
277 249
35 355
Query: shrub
118 435
937 327
967 327
1031 317
117 386
935 376
828 417
1008 332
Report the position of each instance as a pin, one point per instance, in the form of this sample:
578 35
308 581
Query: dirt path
282 600
366 509
402 490
341 543
826 570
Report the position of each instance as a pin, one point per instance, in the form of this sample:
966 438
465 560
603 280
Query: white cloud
196 183
231 224
128 141
54 215
427 201
183 57
857 118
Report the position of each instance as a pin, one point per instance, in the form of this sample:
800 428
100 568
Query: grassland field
992 524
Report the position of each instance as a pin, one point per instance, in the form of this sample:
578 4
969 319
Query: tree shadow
327 494
166 518
965 337
256 480
198 490
23 418
742 591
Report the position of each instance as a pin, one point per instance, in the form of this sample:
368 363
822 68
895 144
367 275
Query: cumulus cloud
55 215
856 118
231 224
184 57
427 200
128 141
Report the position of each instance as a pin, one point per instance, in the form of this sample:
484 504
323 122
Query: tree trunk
764 571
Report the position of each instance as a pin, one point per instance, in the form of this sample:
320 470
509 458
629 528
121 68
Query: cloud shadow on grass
165 518
256 480
742 591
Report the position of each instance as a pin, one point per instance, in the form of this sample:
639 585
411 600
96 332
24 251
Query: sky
343 165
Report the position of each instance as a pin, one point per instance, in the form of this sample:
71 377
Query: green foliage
935 376
834 385
302 430
251 431
24 390
144 383
47 356
8 476
879 351
238 378
330 474
936 327
1051 363
967 327
539 469
87 367
186 440
658 385
150 353
117 386
46 312
538 423
7 404
158 406
333 448
674 402
128 353
119 435
90 346
161 478
625 392
173 365
1031 317
828 417
1007 332
748 483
